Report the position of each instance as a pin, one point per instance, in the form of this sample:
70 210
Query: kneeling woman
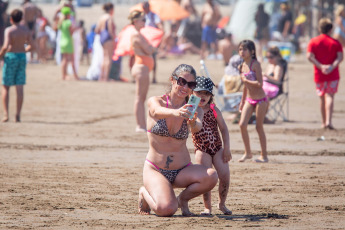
168 163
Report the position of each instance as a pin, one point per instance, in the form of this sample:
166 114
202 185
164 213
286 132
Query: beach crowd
168 119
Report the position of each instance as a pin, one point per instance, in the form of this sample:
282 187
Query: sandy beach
75 161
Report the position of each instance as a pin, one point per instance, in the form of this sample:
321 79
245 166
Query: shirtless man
209 21
13 51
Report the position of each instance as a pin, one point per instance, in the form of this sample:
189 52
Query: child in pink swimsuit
208 144
253 100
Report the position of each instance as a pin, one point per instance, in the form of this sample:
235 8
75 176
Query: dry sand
75 162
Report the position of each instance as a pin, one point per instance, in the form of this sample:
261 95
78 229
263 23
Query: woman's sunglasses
182 82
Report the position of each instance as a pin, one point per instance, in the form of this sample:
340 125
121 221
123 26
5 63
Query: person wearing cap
66 42
209 145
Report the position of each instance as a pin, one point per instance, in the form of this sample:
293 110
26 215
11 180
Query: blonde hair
340 8
134 15
325 25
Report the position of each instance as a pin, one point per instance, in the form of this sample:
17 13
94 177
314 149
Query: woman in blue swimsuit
168 163
106 29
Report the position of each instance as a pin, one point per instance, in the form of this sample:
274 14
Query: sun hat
204 83
66 10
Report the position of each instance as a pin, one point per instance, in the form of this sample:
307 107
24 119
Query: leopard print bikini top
161 128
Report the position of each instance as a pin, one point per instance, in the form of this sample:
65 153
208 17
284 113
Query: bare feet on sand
143 206
206 212
4 119
261 160
224 209
245 157
184 207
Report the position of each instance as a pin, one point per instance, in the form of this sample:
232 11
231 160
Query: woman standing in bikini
142 66
253 99
106 29
168 163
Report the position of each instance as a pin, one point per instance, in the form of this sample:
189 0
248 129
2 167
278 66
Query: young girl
253 99
66 42
208 144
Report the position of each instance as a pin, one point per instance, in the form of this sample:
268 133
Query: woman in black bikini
168 163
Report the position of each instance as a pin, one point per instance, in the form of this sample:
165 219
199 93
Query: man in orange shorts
326 54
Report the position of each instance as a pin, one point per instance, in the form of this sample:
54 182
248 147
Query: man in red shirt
326 54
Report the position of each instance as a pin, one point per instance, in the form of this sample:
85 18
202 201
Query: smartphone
194 101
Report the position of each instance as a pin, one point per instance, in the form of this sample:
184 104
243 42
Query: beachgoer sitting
273 77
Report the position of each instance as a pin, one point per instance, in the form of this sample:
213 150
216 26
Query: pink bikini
251 75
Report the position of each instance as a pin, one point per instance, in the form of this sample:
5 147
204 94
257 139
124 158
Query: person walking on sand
140 71
208 144
209 21
253 99
66 42
326 68
13 51
168 162
106 29
30 14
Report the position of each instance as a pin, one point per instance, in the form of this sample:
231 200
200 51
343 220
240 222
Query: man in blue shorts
209 20
17 41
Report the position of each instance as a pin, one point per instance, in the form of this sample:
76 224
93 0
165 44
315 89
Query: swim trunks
13 71
209 34
329 87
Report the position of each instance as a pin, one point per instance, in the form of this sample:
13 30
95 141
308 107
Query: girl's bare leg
157 194
20 99
197 179
245 116
5 100
223 171
206 160
260 116
141 74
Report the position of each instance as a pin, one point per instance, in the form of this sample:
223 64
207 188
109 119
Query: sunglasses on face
182 82
269 57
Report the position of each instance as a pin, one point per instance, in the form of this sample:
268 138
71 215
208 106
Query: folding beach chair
279 105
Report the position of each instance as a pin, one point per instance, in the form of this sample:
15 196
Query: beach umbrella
165 9
124 47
